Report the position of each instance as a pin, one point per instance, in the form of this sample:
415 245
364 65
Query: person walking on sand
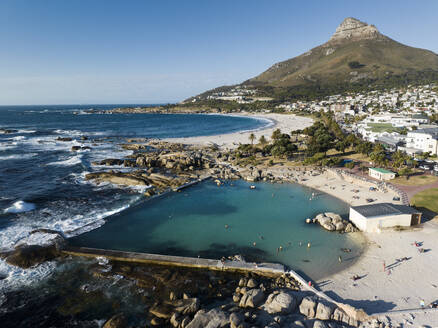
384 266
422 303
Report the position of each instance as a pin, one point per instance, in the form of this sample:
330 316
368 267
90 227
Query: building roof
388 140
384 209
431 131
378 169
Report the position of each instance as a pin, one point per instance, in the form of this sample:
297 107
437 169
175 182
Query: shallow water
210 221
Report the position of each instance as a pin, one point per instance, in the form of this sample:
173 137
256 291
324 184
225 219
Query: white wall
358 220
374 224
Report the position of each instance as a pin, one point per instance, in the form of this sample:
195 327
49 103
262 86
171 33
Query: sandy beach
404 283
397 290
285 122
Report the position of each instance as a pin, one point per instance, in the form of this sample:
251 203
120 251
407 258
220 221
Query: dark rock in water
7 131
64 139
117 321
26 256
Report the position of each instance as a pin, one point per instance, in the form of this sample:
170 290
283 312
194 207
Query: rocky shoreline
176 297
180 297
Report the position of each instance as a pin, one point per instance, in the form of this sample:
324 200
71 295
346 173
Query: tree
399 159
378 155
276 134
341 146
405 171
364 147
252 138
263 141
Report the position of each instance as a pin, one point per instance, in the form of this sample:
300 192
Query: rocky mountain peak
353 29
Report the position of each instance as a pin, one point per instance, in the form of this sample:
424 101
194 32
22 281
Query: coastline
285 122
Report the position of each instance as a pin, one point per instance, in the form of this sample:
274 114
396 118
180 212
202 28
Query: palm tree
263 141
252 138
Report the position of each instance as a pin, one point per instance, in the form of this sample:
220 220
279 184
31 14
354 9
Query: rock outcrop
252 298
213 318
333 222
280 303
353 29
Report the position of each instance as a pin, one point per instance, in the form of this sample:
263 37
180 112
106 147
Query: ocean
42 182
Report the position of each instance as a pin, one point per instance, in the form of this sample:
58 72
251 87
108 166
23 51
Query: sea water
262 224
42 181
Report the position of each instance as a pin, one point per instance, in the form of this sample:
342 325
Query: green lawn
381 127
415 180
427 199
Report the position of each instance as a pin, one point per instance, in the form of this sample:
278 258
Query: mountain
356 56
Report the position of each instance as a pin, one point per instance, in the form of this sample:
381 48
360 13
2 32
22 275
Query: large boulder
280 303
319 324
26 254
186 306
163 311
237 320
324 310
117 321
308 306
212 319
252 298
333 216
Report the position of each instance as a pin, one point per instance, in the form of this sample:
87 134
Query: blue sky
103 51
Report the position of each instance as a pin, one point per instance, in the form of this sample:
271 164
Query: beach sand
285 122
403 284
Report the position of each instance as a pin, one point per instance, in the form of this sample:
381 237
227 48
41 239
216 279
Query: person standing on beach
384 266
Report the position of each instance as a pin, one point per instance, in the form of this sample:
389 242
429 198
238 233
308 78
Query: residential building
423 140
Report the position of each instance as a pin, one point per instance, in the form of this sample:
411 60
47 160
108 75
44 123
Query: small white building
375 217
380 174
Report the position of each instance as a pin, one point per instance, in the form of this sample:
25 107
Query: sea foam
19 207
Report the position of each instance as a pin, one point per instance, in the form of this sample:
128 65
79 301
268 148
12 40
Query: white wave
90 222
18 156
18 138
26 131
69 132
17 277
37 238
19 207
68 162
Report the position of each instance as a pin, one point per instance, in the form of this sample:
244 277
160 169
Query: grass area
427 199
382 127
416 180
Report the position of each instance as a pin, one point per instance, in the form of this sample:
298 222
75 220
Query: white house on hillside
424 140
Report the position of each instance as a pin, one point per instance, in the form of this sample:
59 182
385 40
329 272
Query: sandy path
285 122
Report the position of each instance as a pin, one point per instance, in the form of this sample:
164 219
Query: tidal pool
210 221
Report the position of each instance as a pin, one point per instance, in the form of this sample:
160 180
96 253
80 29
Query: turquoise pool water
210 221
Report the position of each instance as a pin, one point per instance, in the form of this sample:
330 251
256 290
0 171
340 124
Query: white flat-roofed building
380 174
375 217
425 140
